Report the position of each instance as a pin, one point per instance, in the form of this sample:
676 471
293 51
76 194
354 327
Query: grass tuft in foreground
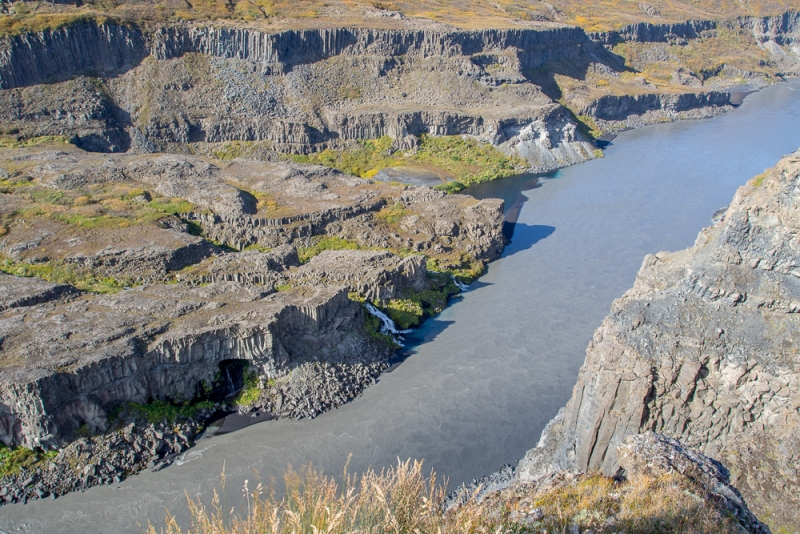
405 499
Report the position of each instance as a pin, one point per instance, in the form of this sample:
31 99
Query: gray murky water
486 375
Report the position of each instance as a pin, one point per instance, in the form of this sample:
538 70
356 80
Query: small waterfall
387 325
231 386
459 285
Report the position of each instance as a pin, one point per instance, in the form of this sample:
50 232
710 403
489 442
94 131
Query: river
483 378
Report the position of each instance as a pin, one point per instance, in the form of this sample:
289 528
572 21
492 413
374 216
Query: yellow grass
404 499
593 16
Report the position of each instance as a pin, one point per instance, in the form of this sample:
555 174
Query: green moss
14 142
171 207
231 150
415 306
391 215
325 243
465 271
466 160
256 246
161 411
758 180
14 459
89 222
64 273
451 187
250 392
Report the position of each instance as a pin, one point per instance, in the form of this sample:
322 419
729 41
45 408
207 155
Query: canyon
155 187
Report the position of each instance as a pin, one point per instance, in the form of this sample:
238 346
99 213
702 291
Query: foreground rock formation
703 349
136 289
663 486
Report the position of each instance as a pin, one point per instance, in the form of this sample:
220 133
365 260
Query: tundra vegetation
453 158
593 16
405 498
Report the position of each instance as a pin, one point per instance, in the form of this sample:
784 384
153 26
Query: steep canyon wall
703 349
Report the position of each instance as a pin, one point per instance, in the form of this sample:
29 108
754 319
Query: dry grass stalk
404 500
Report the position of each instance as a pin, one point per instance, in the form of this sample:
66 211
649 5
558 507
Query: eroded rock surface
703 349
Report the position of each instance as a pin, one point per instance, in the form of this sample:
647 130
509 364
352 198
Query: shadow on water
519 235
524 236
427 332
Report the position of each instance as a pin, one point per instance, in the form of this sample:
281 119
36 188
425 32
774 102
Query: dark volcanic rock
703 349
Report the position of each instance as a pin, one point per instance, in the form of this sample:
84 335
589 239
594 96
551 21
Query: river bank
577 246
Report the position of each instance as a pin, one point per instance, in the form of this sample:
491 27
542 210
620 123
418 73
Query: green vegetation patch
16 142
157 411
250 392
758 180
466 271
391 215
413 307
99 206
325 243
64 273
14 459
466 160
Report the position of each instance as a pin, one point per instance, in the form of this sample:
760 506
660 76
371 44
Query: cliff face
109 49
781 28
90 354
645 32
703 349
292 91
619 108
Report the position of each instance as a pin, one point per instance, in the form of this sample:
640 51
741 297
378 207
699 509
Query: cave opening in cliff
229 380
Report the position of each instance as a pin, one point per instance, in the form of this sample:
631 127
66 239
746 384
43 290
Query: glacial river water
484 377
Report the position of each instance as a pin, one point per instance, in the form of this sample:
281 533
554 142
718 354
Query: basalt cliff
702 349
167 245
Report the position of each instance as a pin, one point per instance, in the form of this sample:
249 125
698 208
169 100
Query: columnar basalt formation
88 356
703 349
69 358
293 91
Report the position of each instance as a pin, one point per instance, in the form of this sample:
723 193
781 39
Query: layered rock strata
293 91
239 204
703 349
86 357
664 484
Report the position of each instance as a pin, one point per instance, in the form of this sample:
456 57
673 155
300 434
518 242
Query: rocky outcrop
88 356
107 49
83 48
782 29
292 91
620 108
663 485
703 349
645 32
653 454
376 275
